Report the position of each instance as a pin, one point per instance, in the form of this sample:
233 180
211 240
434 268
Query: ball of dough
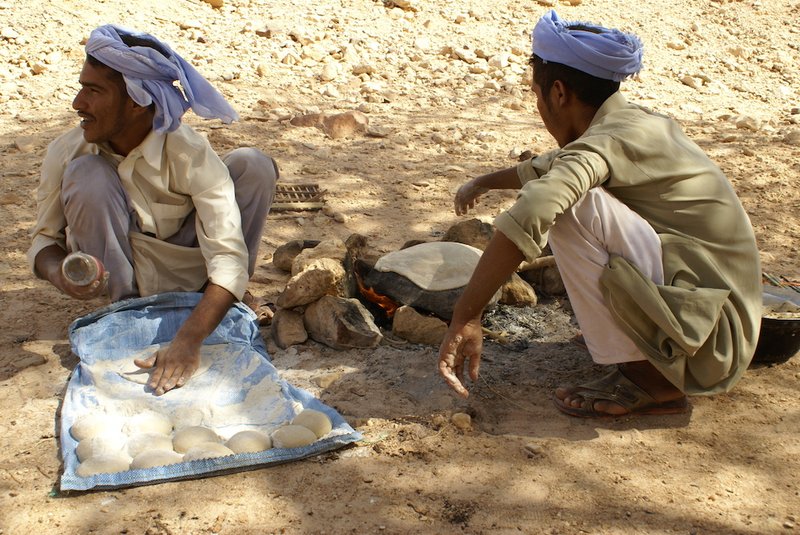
292 436
316 421
192 436
148 441
93 424
249 441
148 422
104 464
153 458
186 417
206 450
101 445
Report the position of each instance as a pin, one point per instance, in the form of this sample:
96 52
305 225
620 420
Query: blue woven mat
239 390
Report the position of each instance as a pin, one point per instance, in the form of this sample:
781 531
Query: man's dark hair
589 89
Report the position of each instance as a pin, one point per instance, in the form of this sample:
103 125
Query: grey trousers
99 216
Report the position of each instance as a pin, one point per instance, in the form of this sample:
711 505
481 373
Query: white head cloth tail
609 54
150 76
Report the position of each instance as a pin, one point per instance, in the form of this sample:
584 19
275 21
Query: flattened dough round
207 450
316 421
148 441
97 445
189 437
103 464
153 458
93 424
148 422
433 266
249 441
292 436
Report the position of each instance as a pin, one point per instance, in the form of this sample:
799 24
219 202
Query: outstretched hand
462 343
467 197
171 366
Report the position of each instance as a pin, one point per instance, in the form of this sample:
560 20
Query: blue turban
609 54
149 78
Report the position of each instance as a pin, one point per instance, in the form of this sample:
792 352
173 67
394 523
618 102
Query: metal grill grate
291 197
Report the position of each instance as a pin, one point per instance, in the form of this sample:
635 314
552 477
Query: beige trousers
582 240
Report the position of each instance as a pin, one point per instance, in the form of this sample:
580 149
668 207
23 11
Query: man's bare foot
636 387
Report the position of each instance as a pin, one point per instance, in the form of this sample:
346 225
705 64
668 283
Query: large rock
284 255
324 276
358 261
472 232
334 249
429 276
416 328
346 124
341 323
546 279
401 290
287 328
307 120
518 292
358 248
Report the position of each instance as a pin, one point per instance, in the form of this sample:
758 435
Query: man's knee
89 176
249 160
585 216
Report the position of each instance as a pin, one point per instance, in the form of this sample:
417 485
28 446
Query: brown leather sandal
617 388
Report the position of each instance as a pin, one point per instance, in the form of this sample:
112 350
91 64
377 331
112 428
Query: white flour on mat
215 396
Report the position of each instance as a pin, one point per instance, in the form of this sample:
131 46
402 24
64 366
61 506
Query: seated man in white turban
656 252
147 196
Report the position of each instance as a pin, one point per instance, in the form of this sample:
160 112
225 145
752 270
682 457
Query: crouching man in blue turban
656 252
147 196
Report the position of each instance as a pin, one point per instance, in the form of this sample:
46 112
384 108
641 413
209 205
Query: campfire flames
386 304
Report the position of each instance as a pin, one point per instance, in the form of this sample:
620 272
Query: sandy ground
728 71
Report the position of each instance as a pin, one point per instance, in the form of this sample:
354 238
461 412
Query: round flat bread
434 266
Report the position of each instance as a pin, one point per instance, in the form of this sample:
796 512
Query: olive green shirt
701 326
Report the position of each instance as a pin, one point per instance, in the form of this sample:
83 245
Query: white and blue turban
609 54
149 77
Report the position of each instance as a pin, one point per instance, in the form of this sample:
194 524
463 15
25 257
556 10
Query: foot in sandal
632 388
